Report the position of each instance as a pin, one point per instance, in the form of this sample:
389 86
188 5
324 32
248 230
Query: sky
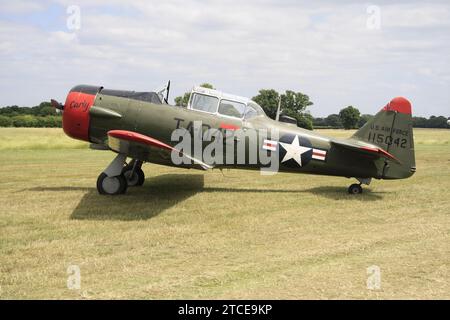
339 53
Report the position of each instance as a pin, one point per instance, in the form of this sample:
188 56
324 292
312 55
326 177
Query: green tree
437 122
305 121
52 121
295 101
12 111
5 121
26 120
319 122
293 104
349 117
43 109
363 119
268 100
420 122
183 100
333 120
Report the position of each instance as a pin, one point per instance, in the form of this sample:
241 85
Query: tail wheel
355 189
111 185
134 178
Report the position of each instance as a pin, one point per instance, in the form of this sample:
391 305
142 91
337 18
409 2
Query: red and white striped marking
319 154
270 145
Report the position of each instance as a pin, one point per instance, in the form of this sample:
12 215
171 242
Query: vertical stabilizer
391 130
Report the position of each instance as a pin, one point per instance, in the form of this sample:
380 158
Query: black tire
355 189
111 185
138 177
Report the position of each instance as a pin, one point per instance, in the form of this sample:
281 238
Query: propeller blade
57 105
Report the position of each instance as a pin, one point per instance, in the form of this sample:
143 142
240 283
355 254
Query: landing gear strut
356 188
118 176
133 173
111 181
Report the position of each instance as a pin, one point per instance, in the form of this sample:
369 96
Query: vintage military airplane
139 126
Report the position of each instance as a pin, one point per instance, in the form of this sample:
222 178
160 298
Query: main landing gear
356 187
133 173
119 175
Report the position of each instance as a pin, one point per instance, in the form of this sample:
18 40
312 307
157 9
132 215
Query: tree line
43 115
349 118
293 104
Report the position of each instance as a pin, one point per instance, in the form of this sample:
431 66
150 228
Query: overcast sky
338 52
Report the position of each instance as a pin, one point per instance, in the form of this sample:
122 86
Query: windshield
253 109
231 108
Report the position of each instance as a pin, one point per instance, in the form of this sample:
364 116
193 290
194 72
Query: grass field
189 234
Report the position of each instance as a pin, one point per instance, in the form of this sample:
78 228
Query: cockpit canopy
223 104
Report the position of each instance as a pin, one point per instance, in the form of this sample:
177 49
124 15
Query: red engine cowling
76 111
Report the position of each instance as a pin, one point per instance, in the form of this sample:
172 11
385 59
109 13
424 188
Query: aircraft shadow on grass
165 191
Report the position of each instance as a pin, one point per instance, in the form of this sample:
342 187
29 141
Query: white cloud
416 15
322 49
20 6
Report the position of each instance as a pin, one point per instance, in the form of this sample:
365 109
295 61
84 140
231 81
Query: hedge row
30 121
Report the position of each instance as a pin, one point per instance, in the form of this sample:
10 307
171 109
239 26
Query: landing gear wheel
135 180
355 189
111 185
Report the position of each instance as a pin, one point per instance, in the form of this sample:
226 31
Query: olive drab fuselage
91 112
160 120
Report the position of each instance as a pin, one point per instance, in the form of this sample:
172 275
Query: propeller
167 93
57 105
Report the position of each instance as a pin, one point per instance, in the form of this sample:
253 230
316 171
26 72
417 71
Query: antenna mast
277 117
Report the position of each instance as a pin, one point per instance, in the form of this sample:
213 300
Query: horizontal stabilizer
364 148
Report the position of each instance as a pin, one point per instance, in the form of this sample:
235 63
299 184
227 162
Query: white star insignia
294 151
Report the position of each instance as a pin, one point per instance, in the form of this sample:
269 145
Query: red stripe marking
379 150
137 137
228 126
319 154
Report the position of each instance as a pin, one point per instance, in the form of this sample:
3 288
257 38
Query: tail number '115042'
386 139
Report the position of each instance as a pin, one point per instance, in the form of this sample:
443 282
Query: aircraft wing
129 142
364 148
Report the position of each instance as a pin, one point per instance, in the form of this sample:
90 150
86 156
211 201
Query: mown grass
37 139
189 234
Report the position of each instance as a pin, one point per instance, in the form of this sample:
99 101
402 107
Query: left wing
126 142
